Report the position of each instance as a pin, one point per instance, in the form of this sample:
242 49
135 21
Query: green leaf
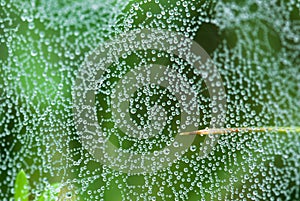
51 194
58 192
21 187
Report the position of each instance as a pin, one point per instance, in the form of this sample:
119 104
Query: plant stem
242 129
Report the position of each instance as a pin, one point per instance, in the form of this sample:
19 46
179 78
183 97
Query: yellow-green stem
242 129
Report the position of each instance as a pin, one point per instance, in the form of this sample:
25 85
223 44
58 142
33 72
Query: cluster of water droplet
255 46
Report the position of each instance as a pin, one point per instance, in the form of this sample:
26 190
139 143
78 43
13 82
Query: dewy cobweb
87 127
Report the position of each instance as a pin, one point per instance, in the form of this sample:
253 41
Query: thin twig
243 129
